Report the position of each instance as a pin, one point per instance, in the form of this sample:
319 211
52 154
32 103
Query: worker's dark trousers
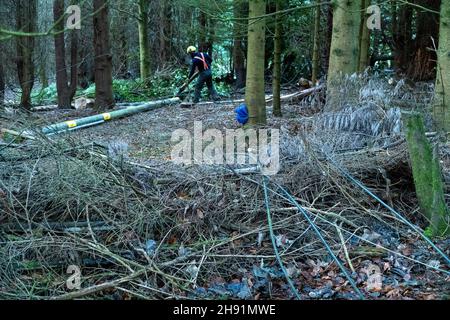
205 77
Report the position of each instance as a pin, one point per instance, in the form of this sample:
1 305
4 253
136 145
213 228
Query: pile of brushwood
155 230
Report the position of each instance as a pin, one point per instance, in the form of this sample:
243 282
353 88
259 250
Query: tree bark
122 71
316 50
402 39
344 47
144 49
203 44
254 94
427 176
66 91
421 66
2 84
103 60
442 96
364 43
326 48
276 84
26 21
86 72
164 31
43 74
123 57
394 13
211 36
239 7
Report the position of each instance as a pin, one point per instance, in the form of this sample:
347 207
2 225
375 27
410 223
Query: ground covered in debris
108 201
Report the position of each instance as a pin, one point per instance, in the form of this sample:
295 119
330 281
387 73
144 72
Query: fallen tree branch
117 282
17 134
269 98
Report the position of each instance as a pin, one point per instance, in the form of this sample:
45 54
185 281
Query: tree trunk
211 36
144 49
203 44
164 31
376 52
26 17
315 57
421 66
364 43
427 176
329 35
43 78
394 13
442 98
103 60
74 39
122 71
86 68
86 72
344 47
2 84
123 56
66 91
254 94
238 46
403 39
276 84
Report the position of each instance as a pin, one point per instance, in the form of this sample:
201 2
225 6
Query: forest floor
148 228
147 135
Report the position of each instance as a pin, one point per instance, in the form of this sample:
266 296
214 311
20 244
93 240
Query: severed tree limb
96 288
344 247
117 282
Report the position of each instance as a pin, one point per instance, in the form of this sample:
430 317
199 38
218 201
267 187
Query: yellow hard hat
191 49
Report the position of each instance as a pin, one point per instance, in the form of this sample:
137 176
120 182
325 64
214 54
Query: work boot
212 92
197 95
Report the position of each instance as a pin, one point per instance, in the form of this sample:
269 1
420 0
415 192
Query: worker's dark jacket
202 62
199 63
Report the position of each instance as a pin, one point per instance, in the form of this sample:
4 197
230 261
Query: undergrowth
162 84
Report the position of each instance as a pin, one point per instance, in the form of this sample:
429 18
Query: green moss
338 52
428 232
427 176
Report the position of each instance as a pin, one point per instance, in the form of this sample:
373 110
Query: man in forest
201 62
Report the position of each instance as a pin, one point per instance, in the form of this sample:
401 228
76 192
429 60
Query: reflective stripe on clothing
202 59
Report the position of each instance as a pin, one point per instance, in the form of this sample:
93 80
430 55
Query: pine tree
364 42
239 11
315 57
66 91
144 49
103 60
26 21
276 81
255 89
2 80
442 99
344 52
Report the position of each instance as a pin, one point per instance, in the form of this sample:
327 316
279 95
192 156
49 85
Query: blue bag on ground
242 114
